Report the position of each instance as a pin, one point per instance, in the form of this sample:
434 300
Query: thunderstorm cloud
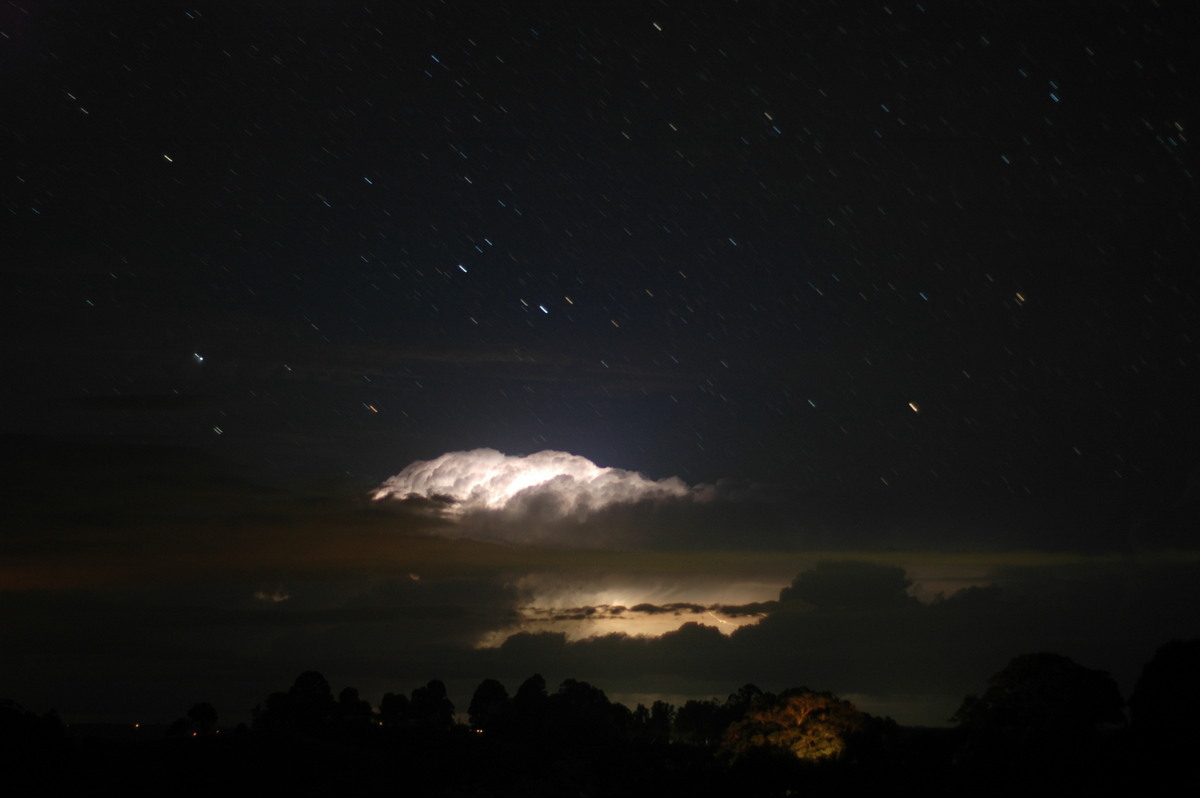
546 486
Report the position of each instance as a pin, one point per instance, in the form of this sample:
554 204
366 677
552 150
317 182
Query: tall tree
1166 698
305 707
203 716
1042 710
700 722
431 708
352 710
394 710
489 706
530 706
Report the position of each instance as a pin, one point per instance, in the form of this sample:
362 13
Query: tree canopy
1042 710
809 725
1166 698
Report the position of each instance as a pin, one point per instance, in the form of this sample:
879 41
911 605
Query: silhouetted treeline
1043 725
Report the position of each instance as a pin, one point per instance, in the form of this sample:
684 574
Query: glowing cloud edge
551 482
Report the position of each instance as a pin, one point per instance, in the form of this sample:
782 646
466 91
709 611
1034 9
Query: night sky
899 292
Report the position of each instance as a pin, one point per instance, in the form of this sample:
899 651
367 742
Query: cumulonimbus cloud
546 485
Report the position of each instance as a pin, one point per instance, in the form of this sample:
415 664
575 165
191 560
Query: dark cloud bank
849 627
852 628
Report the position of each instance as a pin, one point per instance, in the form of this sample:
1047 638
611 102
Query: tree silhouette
1165 715
1041 711
311 697
22 730
351 710
395 711
662 717
305 707
430 707
490 706
531 693
653 724
584 712
739 703
531 706
700 722
1049 692
203 716
1166 699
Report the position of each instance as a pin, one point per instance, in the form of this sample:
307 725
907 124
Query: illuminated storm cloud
549 485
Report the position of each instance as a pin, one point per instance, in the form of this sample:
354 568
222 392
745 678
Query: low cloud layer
543 487
853 628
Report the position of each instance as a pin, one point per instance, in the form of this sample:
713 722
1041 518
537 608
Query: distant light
915 407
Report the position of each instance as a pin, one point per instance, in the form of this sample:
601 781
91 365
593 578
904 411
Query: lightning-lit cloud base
635 604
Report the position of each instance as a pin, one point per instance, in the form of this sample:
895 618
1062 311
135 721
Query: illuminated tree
811 726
